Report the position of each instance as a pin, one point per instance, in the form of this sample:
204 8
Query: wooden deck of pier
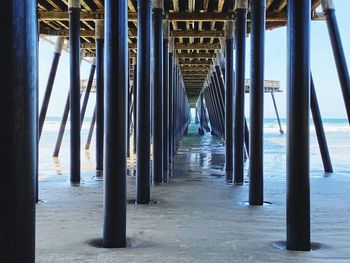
196 26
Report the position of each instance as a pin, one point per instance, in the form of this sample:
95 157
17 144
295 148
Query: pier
166 187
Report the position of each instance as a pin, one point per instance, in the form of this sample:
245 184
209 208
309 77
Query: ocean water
337 134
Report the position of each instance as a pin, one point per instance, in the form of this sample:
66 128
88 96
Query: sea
337 134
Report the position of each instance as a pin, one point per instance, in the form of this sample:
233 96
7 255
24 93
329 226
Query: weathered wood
195 55
178 16
195 33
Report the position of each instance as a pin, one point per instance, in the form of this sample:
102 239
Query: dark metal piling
256 102
99 35
298 86
116 92
240 36
166 30
143 102
157 103
229 89
18 103
74 44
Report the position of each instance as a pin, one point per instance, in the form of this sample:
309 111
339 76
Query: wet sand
199 218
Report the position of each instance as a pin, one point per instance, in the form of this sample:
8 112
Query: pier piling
116 114
298 89
257 51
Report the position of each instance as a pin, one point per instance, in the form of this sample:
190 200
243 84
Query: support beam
91 130
50 82
229 97
257 102
338 51
173 16
240 37
74 54
143 102
87 91
166 30
99 25
116 89
321 137
171 99
157 103
277 115
298 89
18 104
134 83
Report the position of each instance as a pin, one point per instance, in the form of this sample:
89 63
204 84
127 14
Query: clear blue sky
322 65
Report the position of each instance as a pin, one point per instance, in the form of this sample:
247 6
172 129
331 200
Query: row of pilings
227 119
111 114
21 132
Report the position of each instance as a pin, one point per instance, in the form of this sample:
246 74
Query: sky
322 65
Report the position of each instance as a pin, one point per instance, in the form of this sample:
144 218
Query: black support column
229 89
99 29
134 84
74 44
298 86
116 91
338 51
18 104
166 31
257 47
321 136
143 101
171 100
157 103
240 35
50 82
87 91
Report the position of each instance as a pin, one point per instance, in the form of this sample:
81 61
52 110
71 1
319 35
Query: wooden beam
191 5
177 46
176 5
83 33
220 5
53 4
85 5
198 46
195 55
205 5
179 16
282 5
268 3
98 3
315 4
131 6
194 33
194 62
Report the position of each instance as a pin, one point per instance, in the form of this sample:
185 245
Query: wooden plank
268 4
131 6
98 3
282 5
195 55
85 5
205 5
180 16
195 33
177 46
54 5
194 62
197 46
220 5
